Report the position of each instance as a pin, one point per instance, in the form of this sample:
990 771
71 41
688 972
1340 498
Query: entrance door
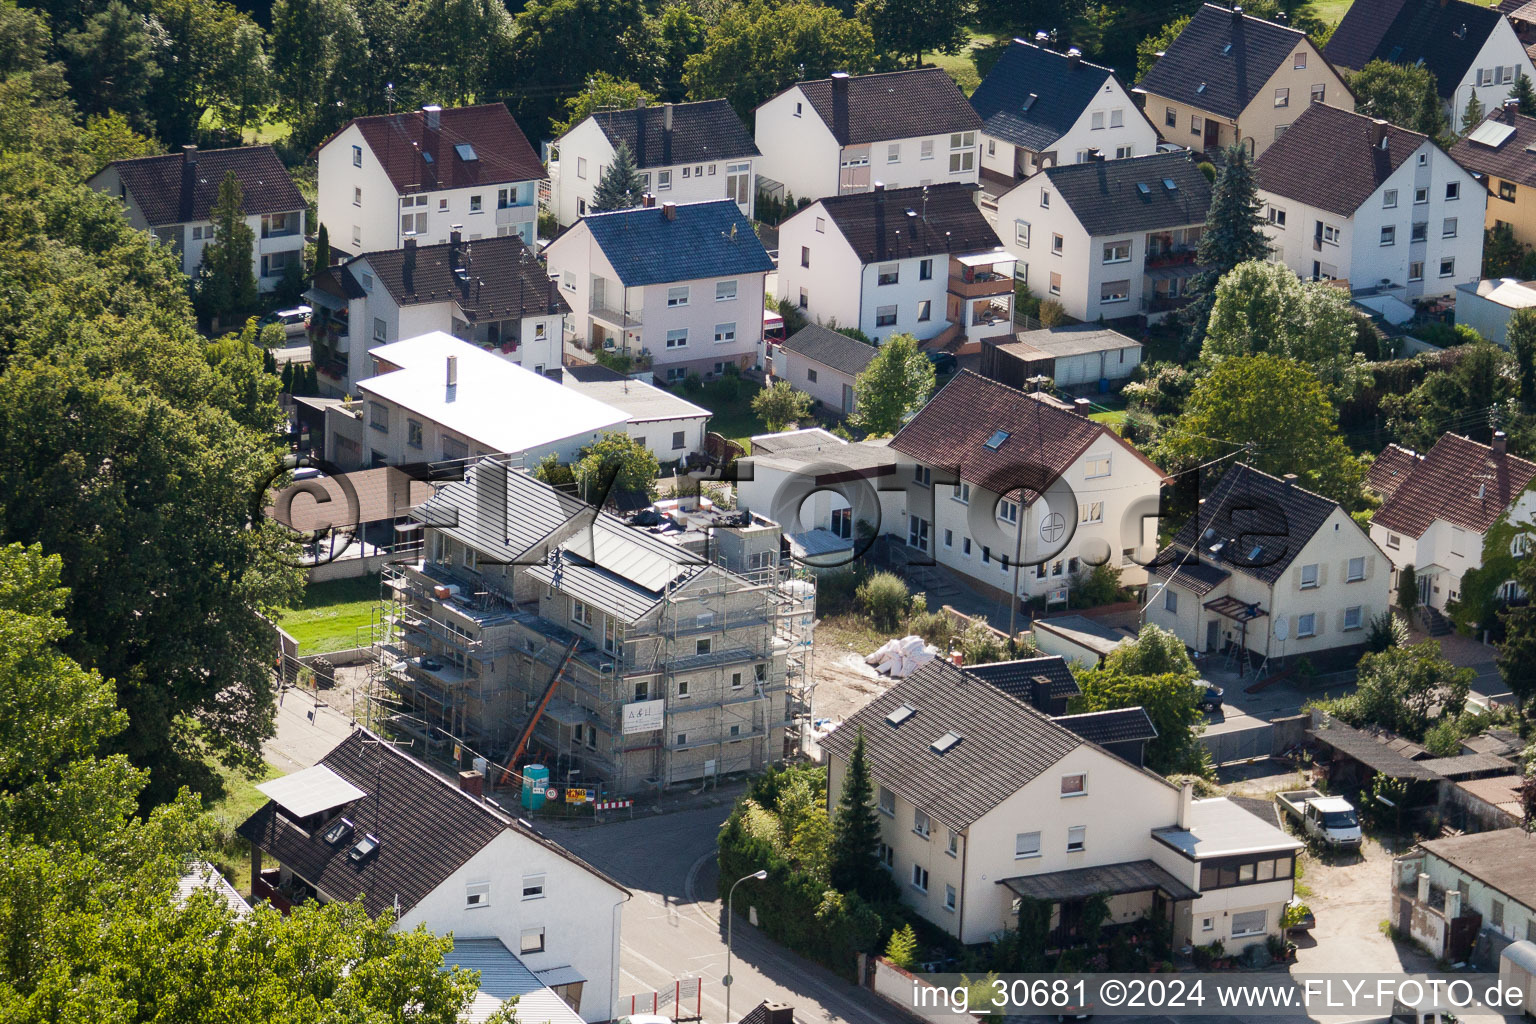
917 533
1212 635
1425 584
847 398
1212 134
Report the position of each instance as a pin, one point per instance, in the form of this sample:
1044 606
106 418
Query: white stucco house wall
685 153
677 286
1438 508
173 197
1040 108
369 819
1061 819
837 135
1353 199
421 173
493 292
1108 239
921 261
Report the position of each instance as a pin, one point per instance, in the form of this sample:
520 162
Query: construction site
623 655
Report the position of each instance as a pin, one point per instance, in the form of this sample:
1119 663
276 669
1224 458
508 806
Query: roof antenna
389 96
925 204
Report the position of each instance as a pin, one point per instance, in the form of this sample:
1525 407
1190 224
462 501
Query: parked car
943 362
1304 921
1209 695
294 321
1329 818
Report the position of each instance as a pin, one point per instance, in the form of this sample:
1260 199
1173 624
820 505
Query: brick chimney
472 783
1074 58
778 1013
1500 443
669 211
455 240
1511 108
1237 15
1082 407
840 105
648 200
188 179
1379 135
410 254
434 117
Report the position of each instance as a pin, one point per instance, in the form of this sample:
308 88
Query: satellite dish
1282 628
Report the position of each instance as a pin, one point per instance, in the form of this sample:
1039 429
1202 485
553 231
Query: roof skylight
900 715
996 440
466 152
944 744
1029 101
1143 188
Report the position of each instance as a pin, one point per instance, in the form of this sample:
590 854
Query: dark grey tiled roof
901 223
1004 743
1330 158
895 105
1107 195
1033 96
1444 36
1017 678
1193 575
427 830
502 279
171 190
1118 725
708 130
703 240
1198 69
830 348
1512 159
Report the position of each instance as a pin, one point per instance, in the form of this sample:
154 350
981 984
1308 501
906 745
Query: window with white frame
581 167
885 316
531 940
888 273
962 152
1389 199
1021 233
533 887
1097 120
1090 512
925 311
413 433
1115 291
725 291
677 338
950 897
677 296
925 150
725 333
1057 245
1075 784
1356 570
1124 152
1045 198
919 878
887 802
1309 576
886 855
477 894
1096 467
963 493
1276 216
1117 117
357 196
1282 97
1331 234
1448 267
380 329
1299 62
357 156
1306 625
1452 190
1420 196
581 612
1416 270
1055 283
1170 599
1448 228
1117 252
893 153
920 823
1352 617
1319 90
1077 838
1388 235
1025 845
1250 922
1008 511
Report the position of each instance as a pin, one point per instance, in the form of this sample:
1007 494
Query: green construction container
535 785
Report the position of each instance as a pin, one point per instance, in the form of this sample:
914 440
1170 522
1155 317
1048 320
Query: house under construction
624 655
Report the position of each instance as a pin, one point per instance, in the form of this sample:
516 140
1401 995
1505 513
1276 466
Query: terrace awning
1111 879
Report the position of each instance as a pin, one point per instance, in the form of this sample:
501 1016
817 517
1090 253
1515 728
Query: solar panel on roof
1492 134
466 152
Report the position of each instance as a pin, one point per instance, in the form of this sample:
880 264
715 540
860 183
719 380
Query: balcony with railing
981 275
622 319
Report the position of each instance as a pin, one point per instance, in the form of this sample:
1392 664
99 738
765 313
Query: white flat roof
1218 828
639 401
987 259
310 791
496 404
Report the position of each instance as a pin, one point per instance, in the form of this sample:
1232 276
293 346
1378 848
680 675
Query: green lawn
1329 12
240 800
731 417
1114 419
328 617
959 66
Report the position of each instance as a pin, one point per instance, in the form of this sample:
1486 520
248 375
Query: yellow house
1499 152
1230 77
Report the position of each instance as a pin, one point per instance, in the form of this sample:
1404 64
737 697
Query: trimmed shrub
884 597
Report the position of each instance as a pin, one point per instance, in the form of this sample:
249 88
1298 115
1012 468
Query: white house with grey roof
921 261
983 799
668 424
371 821
685 153
1108 239
1040 108
837 135
824 364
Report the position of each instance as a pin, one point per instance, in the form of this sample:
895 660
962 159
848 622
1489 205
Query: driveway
1350 894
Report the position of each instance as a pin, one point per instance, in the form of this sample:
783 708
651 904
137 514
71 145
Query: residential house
493 292
1040 107
1230 77
677 286
1436 516
1502 152
1017 492
982 800
842 134
1467 896
824 364
685 153
1471 49
1047 684
419 173
503 977
371 821
1349 198
436 398
626 660
173 197
1109 239
668 424
822 491
1081 357
1272 569
921 261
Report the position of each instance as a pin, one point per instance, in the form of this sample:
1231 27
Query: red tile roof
1460 481
1391 468
401 142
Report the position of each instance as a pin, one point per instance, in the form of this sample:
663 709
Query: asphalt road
673 927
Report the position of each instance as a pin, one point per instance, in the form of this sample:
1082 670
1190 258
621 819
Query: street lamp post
730 918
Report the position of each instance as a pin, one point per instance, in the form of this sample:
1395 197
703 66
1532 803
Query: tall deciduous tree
113 61
226 281
855 860
895 384
567 41
602 92
1264 307
319 66
1467 398
468 30
620 186
1520 335
1234 233
243 80
615 463
1148 50
1169 700
1517 655
759 48
1276 407
911 27
1404 94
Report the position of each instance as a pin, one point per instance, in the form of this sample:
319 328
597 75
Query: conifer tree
1234 233
856 831
226 281
1525 93
620 186
1473 115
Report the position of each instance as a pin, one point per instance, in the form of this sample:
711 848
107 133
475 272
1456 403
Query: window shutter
1322 573
1322 622
1370 566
